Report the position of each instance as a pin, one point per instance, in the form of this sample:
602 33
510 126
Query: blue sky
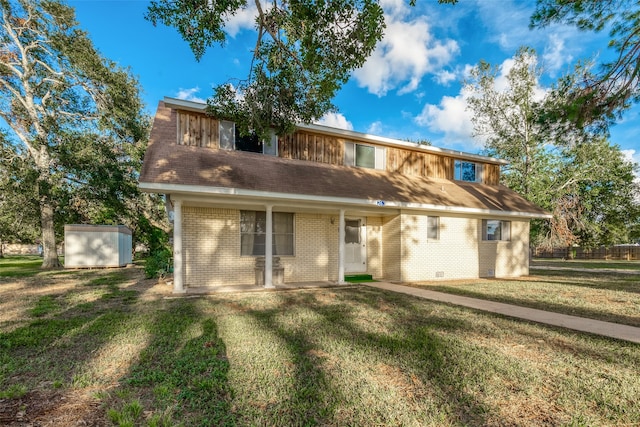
408 89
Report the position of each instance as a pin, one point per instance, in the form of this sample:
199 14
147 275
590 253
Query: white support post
178 285
268 249
341 248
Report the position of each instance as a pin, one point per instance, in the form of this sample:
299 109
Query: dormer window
467 171
230 139
364 156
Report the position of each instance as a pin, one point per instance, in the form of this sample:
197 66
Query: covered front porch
329 242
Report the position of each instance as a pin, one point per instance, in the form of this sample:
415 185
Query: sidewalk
598 327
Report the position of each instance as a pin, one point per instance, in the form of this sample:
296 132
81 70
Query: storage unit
87 246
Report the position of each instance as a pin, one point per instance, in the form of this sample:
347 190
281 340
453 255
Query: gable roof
169 168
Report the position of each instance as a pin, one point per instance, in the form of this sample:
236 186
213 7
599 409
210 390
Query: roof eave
207 191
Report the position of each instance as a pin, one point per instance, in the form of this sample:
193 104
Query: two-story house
323 203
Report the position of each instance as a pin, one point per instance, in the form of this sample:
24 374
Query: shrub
158 263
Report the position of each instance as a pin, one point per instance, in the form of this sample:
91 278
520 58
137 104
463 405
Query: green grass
20 266
359 278
586 264
333 356
596 294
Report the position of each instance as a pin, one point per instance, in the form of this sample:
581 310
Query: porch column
268 249
341 248
178 286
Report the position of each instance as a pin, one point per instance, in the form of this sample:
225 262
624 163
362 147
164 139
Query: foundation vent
439 273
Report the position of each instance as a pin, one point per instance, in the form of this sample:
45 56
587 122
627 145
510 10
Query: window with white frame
433 228
364 156
253 227
467 171
496 230
231 139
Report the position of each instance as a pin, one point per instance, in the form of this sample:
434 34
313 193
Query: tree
76 114
508 121
605 93
18 207
305 51
576 174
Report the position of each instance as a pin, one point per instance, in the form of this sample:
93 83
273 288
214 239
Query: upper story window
364 156
230 139
467 171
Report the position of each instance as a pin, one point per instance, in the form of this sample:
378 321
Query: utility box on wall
87 246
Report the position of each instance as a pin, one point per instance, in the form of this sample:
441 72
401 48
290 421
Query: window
248 142
433 228
253 225
230 139
467 171
364 156
494 229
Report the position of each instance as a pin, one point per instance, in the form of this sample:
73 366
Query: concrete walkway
598 327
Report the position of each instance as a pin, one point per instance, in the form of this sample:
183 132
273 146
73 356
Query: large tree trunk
50 253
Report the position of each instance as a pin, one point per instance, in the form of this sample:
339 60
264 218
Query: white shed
87 246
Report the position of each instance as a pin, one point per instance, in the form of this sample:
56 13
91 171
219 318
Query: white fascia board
195 190
182 104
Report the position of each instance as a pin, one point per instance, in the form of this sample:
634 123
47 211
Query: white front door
355 250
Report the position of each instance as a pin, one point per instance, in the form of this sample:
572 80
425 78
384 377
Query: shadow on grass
179 375
183 371
414 343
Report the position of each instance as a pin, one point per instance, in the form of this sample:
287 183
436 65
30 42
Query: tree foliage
76 119
576 174
18 207
304 52
599 95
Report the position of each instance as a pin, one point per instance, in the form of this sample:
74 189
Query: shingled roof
167 163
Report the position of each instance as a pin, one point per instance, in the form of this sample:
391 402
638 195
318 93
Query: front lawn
105 347
590 290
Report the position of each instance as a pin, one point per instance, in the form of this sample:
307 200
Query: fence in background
623 252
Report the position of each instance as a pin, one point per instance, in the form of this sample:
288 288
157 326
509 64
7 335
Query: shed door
355 250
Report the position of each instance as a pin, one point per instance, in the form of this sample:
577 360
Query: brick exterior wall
211 248
506 259
391 248
460 253
316 249
397 249
375 257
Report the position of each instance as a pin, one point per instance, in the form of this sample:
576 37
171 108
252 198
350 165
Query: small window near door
352 231
433 228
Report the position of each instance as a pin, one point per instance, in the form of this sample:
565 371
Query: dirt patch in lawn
53 408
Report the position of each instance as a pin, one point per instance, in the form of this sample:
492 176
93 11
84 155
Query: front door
355 250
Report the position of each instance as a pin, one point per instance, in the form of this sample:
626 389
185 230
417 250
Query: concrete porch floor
205 290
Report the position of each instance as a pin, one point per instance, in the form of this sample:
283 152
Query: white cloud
631 155
452 117
375 128
407 52
190 94
555 55
335 120
244 19
444 77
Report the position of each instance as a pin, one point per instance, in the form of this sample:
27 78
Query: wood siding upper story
200 130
